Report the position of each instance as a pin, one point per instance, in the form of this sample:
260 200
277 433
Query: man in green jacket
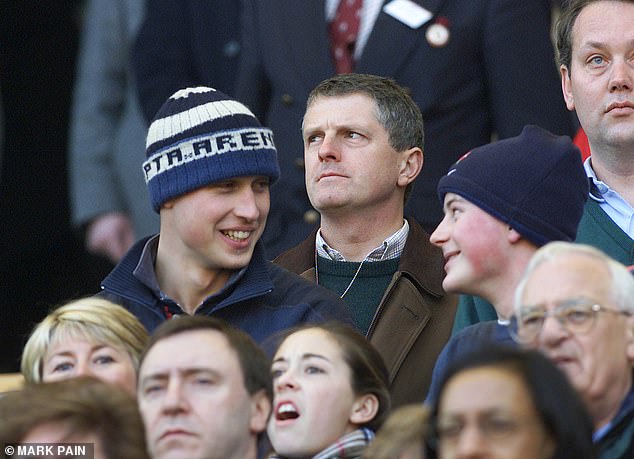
595 43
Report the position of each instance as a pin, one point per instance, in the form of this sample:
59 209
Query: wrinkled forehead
190 351
567 277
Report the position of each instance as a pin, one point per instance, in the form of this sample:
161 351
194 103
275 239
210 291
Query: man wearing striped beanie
209 167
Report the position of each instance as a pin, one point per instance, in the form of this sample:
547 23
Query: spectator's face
314 403
350 164
600 83
474 245
217 226
488 412
61 434
70 357
599 361
193 399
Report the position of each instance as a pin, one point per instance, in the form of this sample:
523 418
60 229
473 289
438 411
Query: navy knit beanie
534 182
202 136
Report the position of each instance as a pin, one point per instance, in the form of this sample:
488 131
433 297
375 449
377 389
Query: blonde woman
89 336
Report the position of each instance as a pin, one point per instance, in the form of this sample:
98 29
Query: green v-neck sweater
365 292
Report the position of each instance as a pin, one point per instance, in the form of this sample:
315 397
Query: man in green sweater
363 149
595 44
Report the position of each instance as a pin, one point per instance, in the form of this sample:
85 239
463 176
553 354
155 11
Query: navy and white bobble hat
534 182
201 136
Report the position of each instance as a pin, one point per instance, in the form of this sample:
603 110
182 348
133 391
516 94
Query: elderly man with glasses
576 304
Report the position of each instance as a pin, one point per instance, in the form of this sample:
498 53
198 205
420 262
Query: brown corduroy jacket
414 319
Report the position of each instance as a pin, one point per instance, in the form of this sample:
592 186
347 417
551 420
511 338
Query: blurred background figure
503 402
89 336
109 199
330 393
83 410
186 43
402 436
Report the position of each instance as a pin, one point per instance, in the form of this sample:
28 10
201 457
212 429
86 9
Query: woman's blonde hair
89 318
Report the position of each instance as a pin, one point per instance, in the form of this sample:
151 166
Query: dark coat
186 43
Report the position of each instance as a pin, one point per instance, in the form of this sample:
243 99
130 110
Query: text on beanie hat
201 136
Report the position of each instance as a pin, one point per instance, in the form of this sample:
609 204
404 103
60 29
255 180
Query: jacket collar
121 280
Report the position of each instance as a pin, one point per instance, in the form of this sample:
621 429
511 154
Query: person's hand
110 235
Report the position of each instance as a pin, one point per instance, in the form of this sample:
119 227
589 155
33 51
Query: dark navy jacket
466 341
265 300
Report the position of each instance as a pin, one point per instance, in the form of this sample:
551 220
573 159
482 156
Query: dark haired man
204 391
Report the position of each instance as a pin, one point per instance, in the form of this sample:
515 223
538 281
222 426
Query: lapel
389 34
306 36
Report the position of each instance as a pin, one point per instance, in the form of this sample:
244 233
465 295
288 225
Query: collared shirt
146 274
369 12
611 202
391 248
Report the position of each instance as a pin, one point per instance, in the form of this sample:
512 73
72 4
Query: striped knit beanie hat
202 136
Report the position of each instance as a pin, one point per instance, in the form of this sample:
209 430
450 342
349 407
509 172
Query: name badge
409 13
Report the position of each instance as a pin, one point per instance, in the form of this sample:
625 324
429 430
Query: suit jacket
414 319
186 43
495 74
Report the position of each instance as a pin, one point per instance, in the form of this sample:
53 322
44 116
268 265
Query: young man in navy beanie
209 167
503 201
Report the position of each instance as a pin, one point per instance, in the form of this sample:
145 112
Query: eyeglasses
576 316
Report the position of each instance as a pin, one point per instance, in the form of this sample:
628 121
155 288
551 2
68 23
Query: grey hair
622 281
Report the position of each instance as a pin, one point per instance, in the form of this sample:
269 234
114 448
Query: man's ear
513 236
364 409
260 411
566 87
410 167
